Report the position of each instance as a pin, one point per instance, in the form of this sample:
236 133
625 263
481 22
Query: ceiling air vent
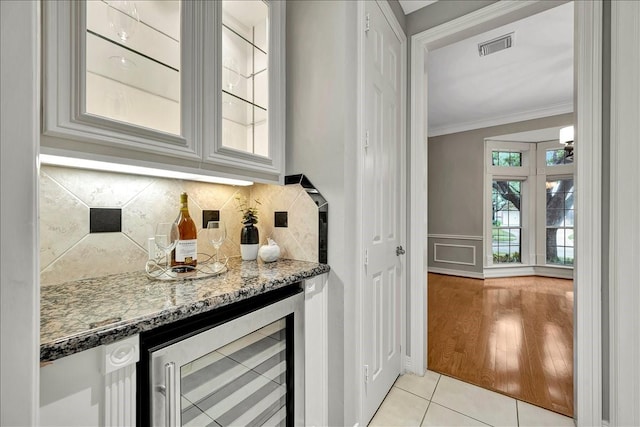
495 45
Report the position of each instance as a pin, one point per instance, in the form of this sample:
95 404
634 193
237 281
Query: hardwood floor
511 335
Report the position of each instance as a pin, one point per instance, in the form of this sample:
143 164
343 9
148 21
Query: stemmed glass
167 236
216 233
123 18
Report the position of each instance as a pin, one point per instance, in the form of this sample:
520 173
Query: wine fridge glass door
242 372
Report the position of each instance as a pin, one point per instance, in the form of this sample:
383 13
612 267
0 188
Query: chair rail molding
453 237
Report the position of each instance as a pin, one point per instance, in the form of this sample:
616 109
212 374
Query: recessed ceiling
409 6
531 79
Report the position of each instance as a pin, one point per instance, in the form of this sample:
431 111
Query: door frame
360 134
588 113
624 242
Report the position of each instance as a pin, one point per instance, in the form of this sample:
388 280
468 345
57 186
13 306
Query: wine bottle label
187 250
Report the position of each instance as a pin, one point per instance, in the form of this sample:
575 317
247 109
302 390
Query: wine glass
123 18
216 233
167 236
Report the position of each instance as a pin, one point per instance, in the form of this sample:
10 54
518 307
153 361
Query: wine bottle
184 256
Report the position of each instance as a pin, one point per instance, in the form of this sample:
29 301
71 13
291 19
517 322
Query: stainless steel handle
400 251
170 395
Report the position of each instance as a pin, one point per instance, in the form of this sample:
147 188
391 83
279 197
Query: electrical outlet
209 215
281 219
105 220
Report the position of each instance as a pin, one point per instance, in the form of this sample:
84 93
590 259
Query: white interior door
382 208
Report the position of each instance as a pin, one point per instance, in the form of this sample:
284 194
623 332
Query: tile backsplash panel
68 252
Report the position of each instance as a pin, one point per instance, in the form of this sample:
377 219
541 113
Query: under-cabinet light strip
136 170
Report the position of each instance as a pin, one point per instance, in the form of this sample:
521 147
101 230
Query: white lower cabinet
95 387
315 349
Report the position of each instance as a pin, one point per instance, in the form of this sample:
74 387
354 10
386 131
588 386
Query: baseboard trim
492 273
461 273
407 365
558 273
495 273
555 272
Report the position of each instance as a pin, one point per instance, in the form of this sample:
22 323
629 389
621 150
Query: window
507 224
506 158
529 204
557 157
559 221
508 192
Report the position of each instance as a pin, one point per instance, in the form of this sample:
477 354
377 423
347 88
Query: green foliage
249 211
506 158
500 258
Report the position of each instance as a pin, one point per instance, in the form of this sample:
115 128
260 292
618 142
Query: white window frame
527 209
545 173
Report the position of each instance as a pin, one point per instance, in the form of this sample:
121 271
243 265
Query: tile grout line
468 416
410 392
425 413
465 415
428 399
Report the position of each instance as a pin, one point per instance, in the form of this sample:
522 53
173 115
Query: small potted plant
249 236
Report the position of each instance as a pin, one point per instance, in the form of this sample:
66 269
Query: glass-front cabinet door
132 71
250 58
245 89
200 81
120 74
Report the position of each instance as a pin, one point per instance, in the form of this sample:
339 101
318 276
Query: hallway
510 335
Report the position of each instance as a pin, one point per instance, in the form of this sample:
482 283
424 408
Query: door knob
400 251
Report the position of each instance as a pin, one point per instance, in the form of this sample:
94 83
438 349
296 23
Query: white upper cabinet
195 85
249 53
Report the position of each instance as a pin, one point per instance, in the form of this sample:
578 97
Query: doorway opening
587 118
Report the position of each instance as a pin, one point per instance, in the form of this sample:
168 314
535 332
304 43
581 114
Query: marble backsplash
69 252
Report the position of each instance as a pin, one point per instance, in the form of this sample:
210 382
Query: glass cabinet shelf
133 63
245 76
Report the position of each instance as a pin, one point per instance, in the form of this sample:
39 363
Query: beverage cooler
240 365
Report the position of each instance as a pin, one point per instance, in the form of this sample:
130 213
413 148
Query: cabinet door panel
248 50
242 63
124 76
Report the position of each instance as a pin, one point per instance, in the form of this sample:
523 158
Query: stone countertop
83 314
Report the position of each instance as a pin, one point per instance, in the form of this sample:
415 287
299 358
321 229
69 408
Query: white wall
321 143
19 130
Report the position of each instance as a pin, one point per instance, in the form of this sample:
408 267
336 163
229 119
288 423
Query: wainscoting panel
454 254
457 254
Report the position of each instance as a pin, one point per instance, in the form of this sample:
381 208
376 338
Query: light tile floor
438 400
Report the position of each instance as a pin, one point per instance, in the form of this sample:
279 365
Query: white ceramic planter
249 252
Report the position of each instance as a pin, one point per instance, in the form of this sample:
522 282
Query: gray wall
399 13
321 143
456 177
441 12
